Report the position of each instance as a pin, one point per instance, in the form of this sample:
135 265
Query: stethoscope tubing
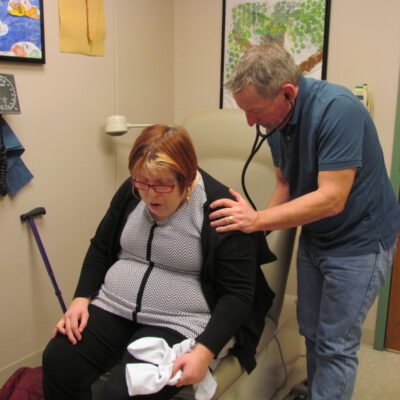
258 141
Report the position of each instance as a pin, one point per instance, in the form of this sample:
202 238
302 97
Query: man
331 180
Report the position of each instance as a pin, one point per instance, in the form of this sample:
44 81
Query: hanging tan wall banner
82 27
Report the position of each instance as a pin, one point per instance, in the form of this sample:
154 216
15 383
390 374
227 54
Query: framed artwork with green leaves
301 26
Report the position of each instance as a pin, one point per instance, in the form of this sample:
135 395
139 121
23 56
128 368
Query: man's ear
290 91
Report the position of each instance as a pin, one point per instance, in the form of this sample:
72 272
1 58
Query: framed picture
22 31
301 26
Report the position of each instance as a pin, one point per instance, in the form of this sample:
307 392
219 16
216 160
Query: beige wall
145 60
162 63
197 56
363 47
64 106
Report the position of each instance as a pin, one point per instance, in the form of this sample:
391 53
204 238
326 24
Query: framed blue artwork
22 31
301 26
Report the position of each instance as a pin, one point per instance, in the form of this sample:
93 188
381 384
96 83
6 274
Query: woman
155 268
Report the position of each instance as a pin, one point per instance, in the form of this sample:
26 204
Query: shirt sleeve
98 257
341 133
235 274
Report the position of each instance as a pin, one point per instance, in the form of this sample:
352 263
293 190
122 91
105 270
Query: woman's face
161 205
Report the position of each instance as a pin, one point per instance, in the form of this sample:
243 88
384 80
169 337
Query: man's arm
328 200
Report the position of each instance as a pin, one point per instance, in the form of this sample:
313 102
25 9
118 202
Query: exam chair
223 140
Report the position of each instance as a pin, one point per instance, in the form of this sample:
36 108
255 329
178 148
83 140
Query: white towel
143 378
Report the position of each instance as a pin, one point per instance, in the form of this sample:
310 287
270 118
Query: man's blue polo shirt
330 129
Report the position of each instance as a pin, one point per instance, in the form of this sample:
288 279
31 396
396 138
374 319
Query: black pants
69 370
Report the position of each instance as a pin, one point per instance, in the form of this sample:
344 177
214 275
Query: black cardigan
232 281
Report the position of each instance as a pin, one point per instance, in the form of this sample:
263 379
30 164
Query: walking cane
29 217
3 166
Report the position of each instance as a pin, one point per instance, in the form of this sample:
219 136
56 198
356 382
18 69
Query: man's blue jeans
334 296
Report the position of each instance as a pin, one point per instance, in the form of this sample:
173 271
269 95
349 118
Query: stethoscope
258 141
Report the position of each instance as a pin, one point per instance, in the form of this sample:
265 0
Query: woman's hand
194 365
74 320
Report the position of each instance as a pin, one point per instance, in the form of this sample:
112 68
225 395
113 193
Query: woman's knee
63 364
66 372
53 358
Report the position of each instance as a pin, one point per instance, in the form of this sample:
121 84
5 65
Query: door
392 336
392 340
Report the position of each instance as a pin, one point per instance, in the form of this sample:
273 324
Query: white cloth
152 376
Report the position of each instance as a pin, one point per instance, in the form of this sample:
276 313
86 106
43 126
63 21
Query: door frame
383 303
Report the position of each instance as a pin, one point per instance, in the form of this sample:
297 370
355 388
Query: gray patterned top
157 277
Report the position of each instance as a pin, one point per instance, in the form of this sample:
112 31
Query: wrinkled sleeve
100 254
235 271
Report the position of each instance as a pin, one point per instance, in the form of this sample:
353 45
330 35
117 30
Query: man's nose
251 120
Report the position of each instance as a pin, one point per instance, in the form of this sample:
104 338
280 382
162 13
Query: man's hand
236 215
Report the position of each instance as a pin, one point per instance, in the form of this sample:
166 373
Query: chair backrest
223 141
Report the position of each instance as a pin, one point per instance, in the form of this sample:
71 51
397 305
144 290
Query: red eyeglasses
164 188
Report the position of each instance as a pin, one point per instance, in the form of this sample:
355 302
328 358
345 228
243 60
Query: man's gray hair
268 67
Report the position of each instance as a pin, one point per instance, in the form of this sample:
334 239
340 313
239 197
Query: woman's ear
136 194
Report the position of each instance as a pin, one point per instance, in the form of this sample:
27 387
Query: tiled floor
378 375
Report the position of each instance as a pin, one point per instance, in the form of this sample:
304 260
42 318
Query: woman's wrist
204 352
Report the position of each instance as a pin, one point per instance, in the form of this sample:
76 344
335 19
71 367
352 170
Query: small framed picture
22 31
301 26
